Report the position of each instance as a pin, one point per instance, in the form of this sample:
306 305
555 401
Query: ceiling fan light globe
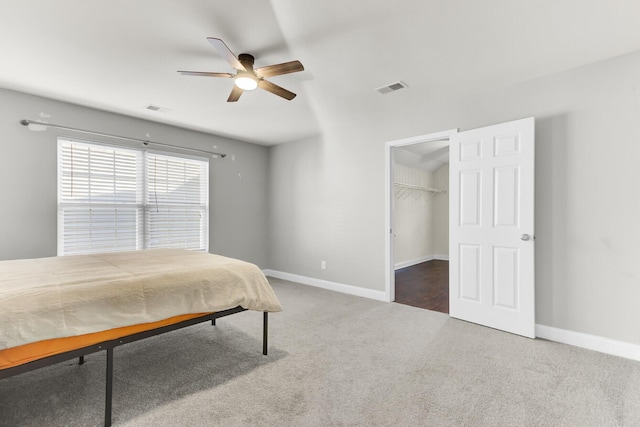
246 83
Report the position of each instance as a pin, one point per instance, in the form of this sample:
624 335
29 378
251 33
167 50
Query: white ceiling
122 55
428 156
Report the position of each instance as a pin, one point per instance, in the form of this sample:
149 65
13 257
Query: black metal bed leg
265 327
109 390
81 360
213 322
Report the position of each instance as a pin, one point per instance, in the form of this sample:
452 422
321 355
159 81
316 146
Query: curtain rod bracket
145 142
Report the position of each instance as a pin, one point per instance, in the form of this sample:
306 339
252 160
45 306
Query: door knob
525 237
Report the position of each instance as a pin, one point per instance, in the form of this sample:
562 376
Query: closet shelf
402 191
417 187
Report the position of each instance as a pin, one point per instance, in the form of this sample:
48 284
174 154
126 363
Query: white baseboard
578 339
409 263
325 284
590 342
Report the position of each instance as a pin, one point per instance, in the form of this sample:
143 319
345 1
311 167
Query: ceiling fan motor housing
247 61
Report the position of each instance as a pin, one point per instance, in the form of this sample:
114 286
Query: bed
59 308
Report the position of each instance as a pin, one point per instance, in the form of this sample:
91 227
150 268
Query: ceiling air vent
391 87
151 107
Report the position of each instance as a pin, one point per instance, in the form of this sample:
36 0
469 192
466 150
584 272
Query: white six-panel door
491 266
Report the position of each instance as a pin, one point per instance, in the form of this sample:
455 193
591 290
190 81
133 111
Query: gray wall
28 168
587 200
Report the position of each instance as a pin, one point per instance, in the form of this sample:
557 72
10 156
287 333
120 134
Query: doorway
420 224
414 155
491 227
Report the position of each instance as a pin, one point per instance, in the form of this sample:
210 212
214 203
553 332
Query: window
113 199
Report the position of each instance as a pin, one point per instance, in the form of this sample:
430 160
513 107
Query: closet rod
145 142
418 187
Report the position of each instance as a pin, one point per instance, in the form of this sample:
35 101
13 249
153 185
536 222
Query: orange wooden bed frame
25 358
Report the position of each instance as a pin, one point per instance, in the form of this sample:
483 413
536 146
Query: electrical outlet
323 264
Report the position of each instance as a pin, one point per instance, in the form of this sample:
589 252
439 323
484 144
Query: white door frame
390 281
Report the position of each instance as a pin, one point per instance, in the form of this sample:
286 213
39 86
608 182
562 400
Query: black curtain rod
145 142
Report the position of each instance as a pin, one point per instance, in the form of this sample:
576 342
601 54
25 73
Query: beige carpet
335 360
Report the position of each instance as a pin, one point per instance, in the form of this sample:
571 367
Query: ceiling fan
246 77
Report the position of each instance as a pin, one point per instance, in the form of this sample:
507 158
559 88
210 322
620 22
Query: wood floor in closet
424 285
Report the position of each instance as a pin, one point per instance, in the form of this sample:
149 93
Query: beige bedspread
64 296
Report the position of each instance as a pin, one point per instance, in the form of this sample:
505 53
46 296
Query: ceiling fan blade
235 94
205 74
275 89
278 69
225 52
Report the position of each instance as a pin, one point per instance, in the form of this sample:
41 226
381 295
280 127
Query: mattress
59 297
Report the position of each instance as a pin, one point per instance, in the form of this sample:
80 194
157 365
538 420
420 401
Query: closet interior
421 225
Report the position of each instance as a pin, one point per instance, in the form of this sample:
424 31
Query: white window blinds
117 199
176 205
